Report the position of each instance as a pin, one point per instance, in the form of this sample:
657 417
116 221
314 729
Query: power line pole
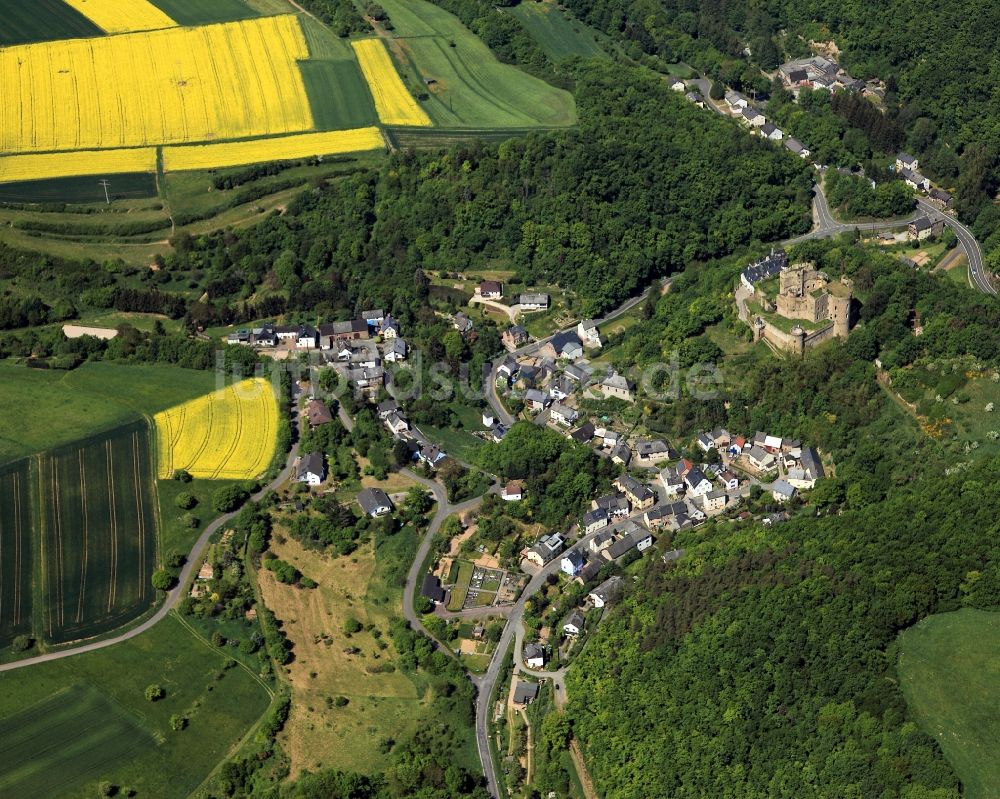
105 183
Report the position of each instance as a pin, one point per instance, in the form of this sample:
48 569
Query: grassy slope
949 668
557 32
42 20
473 89
379 704
220 710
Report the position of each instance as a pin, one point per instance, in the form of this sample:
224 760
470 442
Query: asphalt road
977 273
174 595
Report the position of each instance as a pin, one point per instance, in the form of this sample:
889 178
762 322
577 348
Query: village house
672 480
696 484
588 333
705 442
578 372
373 318
535 400
563 414
782 490
311 469
616 505
512 492
752 117
584 433
637 538
609 438
941 197
621 454
353 330
915 180
396 351
572 563
640 495
653 452
524 693
760 459
696 98
387 407
374 502
764 269
714 502
907 161
397 423
771 132
601 541
616 386
574 623
657 517
736 101
594 520
795 146
534 656
677 85
490 290
389 329
431 454
318 413
533 301
566 346
307 338
514 337
606 593
286 333
561 388
923 228
545 549
432 590
462 323
729 480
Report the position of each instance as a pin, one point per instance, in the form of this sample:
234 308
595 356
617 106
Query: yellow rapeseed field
229 81
395 105
39 166
229 434
285 148
121 16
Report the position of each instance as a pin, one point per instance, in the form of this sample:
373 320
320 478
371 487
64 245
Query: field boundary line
112 526
197 634
83 564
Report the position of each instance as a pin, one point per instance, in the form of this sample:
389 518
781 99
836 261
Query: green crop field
220 704
78 190
470 88
558 32
66 406
98 529
42 20
73 735
203 12
949 670
338 95
15 551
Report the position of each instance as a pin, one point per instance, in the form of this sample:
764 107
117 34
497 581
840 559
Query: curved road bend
977 272
175 593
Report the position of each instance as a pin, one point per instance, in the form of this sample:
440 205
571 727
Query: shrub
155 692
163 580
185 501
22 643
352 625
178 722
182 476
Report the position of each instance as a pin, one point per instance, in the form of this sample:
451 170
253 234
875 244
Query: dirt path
581 770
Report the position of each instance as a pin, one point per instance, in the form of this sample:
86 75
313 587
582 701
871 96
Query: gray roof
311 464
432 589
593 516
627 543
533 651
525 692
783 487
766 267
371 499
812 463
576 619
609 589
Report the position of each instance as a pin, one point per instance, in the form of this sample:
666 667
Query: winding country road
176 593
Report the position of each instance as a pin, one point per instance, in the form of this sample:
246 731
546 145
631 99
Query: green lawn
949 670
472 89
219 703
558 32
457 598
42 20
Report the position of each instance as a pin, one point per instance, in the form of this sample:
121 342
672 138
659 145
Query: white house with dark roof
606 593
311 469
588 333
782 490
696 484
374 502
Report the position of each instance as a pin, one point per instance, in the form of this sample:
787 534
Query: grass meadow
85 189
471 88
558 32
205 12
97 518
949 670
84 725
382 701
